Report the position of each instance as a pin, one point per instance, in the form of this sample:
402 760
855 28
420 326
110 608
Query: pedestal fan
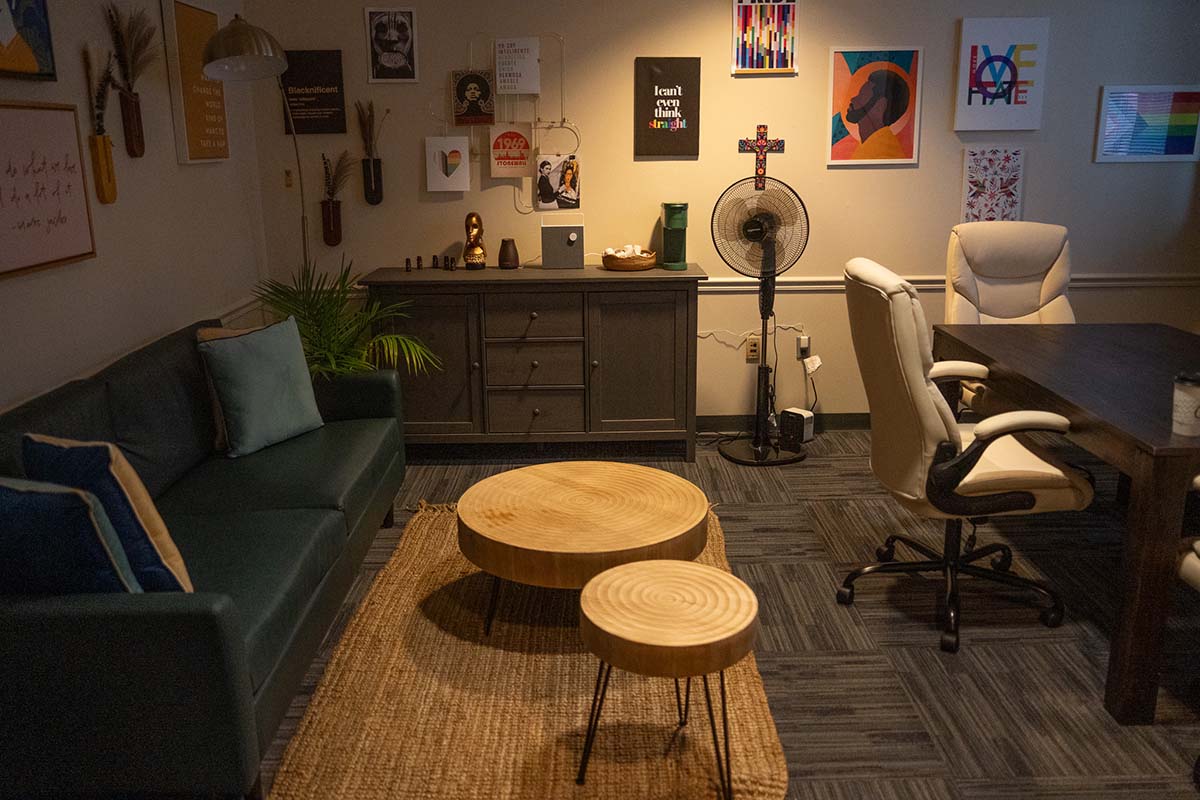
761 234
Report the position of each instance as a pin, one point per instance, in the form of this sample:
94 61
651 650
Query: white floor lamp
243 52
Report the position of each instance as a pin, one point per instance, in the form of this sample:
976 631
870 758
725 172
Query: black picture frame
314 89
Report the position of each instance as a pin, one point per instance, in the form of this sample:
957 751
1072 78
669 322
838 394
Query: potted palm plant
372 165
336 175
133 40
340 334
99 142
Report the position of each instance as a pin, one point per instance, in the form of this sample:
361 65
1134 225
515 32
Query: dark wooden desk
1114 382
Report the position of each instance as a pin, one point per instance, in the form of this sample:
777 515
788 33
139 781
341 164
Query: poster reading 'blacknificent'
313 88
512 150
666 107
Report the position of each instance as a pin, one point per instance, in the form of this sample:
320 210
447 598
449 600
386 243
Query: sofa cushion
336 467
58 540
263 386
100 468
269 562
161 416
77 410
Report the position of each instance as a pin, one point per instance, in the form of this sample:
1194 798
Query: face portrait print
558 184
472 97
392 39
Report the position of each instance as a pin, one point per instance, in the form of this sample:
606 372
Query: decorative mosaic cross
760 146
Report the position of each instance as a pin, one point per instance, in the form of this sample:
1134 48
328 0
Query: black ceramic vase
331 222
372 169
131 120
508 254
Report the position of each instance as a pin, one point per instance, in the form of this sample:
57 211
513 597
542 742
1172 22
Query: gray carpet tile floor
866 704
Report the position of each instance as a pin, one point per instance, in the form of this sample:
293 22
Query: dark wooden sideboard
545 355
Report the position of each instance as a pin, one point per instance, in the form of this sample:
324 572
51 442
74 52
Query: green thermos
674 222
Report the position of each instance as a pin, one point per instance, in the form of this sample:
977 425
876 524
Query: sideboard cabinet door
637 361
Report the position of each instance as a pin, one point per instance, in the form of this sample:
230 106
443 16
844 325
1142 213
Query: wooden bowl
632 263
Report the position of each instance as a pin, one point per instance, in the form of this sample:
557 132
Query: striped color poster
764 38
1149 123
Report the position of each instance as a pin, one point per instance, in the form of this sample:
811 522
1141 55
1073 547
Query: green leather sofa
173 693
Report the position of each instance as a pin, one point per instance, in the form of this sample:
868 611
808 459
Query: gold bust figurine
474 253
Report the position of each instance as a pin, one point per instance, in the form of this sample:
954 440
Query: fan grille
740 202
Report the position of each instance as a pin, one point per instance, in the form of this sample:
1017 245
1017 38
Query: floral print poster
993 183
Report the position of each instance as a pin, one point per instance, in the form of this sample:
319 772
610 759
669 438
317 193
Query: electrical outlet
752 349
803 346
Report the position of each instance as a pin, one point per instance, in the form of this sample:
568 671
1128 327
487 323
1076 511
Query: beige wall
181 242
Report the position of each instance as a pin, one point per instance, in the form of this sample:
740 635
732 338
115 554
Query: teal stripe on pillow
58 540
263 385
101 468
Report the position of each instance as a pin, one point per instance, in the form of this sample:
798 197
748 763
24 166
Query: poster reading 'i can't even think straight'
666 107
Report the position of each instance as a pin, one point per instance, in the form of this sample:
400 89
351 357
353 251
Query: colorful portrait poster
25 47
764 38
557 182
875 99
391 45
447 164
993 183
512 150
666 107
1149 123
1001 74
472 97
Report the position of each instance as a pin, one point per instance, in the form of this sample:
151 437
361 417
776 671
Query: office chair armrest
956 370
1019 422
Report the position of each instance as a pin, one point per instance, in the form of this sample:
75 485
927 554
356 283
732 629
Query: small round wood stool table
672 619
559 524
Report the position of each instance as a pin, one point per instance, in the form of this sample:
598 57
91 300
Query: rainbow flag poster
1149 123
764 38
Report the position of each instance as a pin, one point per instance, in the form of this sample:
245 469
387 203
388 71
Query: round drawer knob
533 315
595 364
534 364
537 412
474 365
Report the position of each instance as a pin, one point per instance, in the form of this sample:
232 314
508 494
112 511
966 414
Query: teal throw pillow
58 540
263 386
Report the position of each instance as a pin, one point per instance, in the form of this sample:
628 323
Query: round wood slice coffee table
560 524
674 619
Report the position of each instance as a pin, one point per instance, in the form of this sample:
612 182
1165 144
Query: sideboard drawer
536 411
535 363
521 315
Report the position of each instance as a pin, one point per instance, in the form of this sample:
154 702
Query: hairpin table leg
724 767
594 718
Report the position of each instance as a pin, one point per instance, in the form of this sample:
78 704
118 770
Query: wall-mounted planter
131 119
102 168
331 222
372 169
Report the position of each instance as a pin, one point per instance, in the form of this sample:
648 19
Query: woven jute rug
417 703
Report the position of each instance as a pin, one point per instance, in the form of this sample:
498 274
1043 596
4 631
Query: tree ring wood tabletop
668 618
560 524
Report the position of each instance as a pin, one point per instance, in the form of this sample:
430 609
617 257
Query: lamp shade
243 52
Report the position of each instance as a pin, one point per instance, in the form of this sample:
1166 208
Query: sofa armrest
957 370
125 693
359 396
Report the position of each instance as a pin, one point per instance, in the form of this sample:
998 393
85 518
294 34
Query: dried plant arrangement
368 128
336 174
134 39
98 89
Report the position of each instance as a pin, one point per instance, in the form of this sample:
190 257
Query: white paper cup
1185 415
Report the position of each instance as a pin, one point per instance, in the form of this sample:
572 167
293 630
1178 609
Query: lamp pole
287 109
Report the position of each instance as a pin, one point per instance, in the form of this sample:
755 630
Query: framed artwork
391 45
993 183
875 105
44 211
197 103
512 150
1001 74
666 107
314 91
764 38
557 182
472 98
26 50
1149 123
447 164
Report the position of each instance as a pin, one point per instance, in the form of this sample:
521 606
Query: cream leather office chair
1006 273
935 466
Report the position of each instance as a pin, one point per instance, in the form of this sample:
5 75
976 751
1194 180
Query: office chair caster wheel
883 553
1002 562
950 641
1052 617
845 595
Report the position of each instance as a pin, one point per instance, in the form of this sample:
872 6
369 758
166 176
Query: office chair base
952 562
